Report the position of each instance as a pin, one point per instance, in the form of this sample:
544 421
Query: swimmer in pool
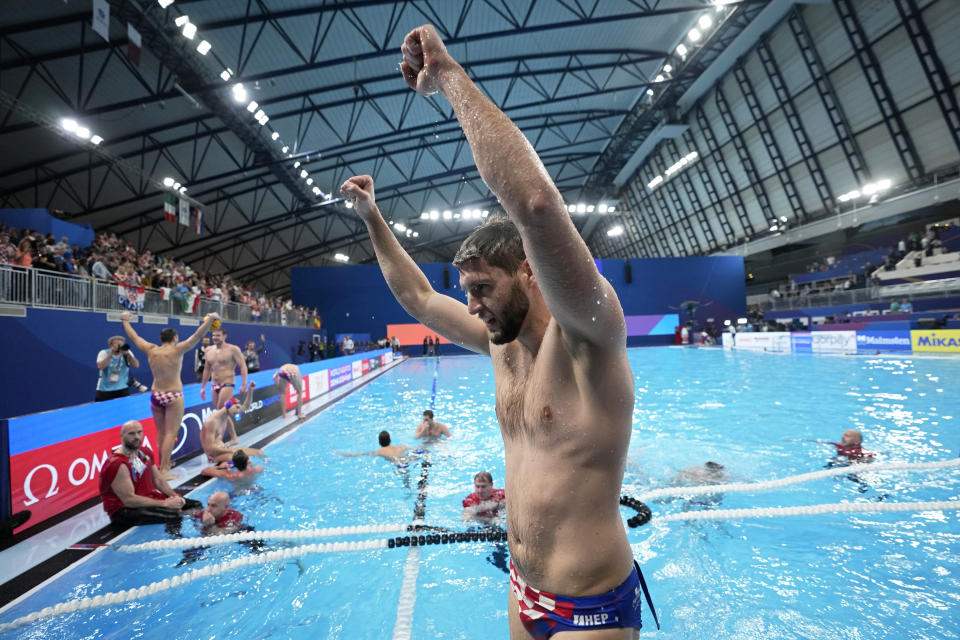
699 475
851 447
393 452
430 428
555 332
237 470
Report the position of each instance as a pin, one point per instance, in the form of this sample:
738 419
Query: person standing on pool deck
556 334
166 401
220 365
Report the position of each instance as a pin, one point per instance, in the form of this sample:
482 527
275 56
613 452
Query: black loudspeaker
446 278
628 272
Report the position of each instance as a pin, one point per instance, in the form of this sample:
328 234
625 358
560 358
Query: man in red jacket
132 488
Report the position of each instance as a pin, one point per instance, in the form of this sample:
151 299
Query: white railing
41 288
910 291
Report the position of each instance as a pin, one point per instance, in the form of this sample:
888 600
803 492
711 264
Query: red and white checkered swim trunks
164 398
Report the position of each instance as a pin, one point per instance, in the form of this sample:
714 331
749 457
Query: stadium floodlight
447 215
611 209
189 30
399 226
225 74
168 182
693 34
274 135
590 208
176 185
82 132
309 181
649 92
424 216
484 214
253 106
659 78
95 139
741 321
681 50
705 21
572 208
434 214
349 204
69 124
284 149
601 208
667 68
164 3
182 189
303 173
296 164
204 47
783 218
581 208
773 227
614 231
239 93
259 115
416 234
181 20
339 257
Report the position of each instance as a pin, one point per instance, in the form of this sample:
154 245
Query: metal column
810 159
694 198
932 65
670 222
881 91
766 134
818 72
717 154
720 213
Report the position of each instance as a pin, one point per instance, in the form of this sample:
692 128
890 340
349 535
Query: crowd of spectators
111 258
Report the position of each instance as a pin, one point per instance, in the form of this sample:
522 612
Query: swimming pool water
854 576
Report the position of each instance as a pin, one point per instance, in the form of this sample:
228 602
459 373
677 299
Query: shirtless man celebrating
556 334
166 401
220 421
430 428
221 362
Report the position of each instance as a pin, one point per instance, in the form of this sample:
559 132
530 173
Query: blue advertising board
872 341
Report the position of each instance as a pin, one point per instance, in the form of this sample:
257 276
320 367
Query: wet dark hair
428 413
384 438
483 475
497 242
713 466
240 460
168 335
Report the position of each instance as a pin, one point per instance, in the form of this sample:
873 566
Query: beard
511 317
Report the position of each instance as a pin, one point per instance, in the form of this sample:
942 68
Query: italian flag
170 207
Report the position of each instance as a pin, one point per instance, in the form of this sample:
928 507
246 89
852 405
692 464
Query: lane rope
676 492
815 509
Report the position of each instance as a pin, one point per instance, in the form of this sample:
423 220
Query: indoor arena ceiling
579 77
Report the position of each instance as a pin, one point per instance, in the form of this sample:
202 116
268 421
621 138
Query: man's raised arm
192 341
138 342
410 287
583 303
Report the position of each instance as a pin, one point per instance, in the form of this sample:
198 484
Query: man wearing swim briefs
289 375
220 365
221 421
555 331
166 401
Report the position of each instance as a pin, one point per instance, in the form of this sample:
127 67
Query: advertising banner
341 375
936 340
764 341
357 368
386 358
871 341
292 393
54 478
834 341
801 342
727 339
364 366
319 382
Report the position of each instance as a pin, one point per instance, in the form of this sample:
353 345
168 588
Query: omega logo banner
55 477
